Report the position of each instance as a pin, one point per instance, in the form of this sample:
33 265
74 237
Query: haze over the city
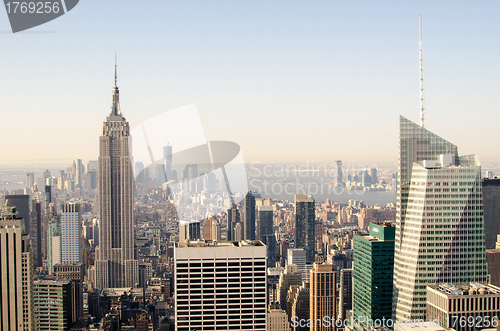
287 81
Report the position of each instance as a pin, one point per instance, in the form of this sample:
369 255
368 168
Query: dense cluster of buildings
102 247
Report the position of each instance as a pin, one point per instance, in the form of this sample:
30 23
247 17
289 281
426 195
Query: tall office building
207 228
249 216
211 229
79 173
30 182
233 217
345 293
305 216
189 230
338 174
220 286
439 219
298 257
115 265
265 232
16 281
322 297
301 308
47 197
491 204
36 232
373 270
71 233
75 273
374 175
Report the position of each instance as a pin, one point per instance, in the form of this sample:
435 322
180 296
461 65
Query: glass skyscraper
439 219
305 216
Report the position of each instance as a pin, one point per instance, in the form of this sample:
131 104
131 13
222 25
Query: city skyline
350 69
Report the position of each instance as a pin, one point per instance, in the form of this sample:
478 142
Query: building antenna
422 108
116 73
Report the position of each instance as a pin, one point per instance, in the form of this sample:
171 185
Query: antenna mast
422 109
116 75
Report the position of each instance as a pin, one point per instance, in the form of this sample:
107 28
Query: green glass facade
373 269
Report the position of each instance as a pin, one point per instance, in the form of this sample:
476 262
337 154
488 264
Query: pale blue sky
289 81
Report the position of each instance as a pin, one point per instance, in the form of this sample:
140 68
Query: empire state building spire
115 265
115 114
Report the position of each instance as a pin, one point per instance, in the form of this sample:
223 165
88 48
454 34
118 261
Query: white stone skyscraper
439 219
115 263
71 233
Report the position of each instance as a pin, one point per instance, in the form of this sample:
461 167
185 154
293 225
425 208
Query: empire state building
115 263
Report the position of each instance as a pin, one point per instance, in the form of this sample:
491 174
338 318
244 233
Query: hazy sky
289 81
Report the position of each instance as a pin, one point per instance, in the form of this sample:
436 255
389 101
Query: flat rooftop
467 289
210 243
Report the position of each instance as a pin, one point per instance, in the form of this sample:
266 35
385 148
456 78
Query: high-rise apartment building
439 219
16 281
305 216
265 232
249 217
220 286
71 233
373 270
115 264
322 297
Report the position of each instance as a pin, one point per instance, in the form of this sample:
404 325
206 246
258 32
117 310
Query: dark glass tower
305 216
249 214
